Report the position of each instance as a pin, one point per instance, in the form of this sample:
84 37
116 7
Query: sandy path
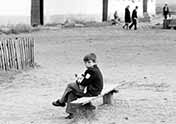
144 58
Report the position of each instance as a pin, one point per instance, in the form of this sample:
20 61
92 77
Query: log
107 98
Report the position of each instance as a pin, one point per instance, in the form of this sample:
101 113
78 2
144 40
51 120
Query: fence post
16 53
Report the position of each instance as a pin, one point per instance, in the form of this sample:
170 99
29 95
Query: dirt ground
144 59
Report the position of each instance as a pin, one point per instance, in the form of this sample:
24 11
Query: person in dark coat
165 11
134 19
87 85
127 17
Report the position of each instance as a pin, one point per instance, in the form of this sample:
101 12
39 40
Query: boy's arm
88 78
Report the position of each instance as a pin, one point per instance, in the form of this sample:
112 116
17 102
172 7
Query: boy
92 80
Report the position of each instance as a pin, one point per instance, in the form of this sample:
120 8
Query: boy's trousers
71 93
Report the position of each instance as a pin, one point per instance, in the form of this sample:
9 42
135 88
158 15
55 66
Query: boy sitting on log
91 80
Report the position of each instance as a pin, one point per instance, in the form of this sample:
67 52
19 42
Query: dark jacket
127 15
134 14
165 10
93 79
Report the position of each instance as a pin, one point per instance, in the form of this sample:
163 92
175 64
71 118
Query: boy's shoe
58 103
70 116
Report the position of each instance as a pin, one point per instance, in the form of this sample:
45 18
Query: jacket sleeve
88 78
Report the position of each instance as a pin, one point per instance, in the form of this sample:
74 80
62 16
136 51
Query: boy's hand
79 78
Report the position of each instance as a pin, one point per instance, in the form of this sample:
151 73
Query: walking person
134 19
165 11
127 17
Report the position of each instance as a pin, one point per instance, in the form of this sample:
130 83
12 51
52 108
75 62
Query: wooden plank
6 51
32 51
27 55
5 55
18 54
84 100
22 53
26 48
3 59
28 52
14 54
107 99
107 93
25 51
9 53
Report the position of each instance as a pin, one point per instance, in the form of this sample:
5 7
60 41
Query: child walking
91 81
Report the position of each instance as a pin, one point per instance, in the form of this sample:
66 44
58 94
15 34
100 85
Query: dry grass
16 29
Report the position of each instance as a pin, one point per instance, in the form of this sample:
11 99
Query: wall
73 9
91 10
120 6
151 7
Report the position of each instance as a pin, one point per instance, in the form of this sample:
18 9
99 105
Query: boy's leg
72 108
72 87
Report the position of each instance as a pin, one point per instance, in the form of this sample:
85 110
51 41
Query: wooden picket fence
16 53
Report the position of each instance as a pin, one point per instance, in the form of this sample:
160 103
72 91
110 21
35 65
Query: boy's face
89 64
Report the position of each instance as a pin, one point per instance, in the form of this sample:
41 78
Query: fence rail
16 53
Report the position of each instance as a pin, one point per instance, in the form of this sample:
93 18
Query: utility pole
37 12
105 10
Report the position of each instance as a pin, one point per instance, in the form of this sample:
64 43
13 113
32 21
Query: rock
79 25
126 118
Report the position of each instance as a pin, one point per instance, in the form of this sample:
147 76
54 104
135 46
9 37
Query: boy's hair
90 56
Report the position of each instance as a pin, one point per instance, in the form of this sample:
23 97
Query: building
90 10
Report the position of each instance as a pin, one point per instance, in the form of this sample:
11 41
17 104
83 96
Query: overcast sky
163 1
22 7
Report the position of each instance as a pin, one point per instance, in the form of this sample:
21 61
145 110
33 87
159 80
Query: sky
15 7
168 1
22 7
